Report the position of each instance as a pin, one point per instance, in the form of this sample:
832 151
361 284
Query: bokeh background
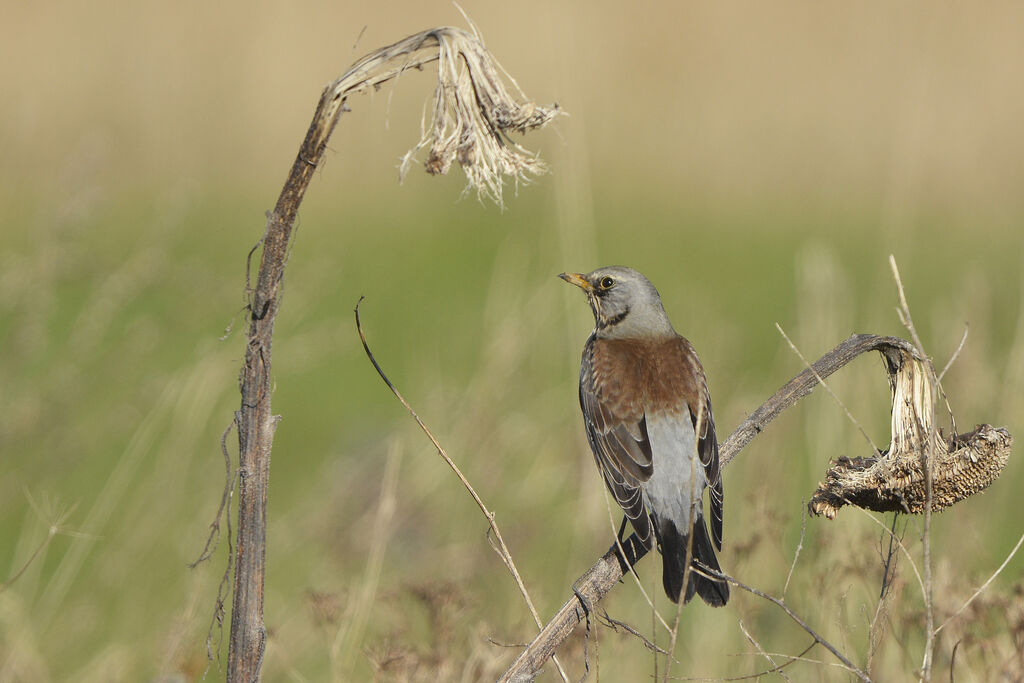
758 161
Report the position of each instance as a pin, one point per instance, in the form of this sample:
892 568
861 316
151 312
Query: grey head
625 303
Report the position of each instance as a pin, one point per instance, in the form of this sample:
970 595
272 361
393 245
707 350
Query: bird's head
625 303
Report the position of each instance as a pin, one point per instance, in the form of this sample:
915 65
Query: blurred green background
759 162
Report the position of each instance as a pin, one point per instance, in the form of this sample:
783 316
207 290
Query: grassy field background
758 162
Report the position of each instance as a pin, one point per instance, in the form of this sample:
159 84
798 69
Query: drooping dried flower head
473 113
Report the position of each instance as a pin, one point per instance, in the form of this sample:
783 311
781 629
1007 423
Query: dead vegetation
895 482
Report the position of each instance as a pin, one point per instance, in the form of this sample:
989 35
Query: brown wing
617 432
707 441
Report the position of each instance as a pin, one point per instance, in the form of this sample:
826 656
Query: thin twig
903 548
889 562
791 659
956 354
805 382
938 380
799 547
952 660
775 666
213 538
983 586
497 643
504 553
847 664
827 388
615 625
904 309
808 660
925 447
55 527
223 588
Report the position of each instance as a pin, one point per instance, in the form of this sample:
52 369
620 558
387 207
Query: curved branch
891 348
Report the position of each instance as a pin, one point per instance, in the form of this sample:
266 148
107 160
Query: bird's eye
607 283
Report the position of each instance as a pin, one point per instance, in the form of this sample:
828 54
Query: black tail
673 552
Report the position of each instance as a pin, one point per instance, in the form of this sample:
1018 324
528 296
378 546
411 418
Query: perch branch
473 117
805 383
607 571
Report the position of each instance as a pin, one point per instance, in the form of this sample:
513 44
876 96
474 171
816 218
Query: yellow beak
578 280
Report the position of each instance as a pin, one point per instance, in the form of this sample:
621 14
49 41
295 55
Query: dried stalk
500 548
920 400
982 587
607 571
473 117
775 666
847 664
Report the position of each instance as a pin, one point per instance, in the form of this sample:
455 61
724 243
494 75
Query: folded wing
617 432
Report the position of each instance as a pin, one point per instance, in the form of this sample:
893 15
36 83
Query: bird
647 412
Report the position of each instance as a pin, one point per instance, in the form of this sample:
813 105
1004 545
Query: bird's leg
627 549
587 608
622 529
584 603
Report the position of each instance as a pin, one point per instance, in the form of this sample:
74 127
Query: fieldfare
647 414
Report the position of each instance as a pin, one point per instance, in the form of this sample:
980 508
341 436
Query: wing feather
618 438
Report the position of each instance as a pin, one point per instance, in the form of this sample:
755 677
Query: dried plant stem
771 660
799 547
473 117
847 664
757 676
956 354
926 446
805 382
55 521
31 558
821 381
890 557
503 551
982 587
615 625
791 658
903 549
